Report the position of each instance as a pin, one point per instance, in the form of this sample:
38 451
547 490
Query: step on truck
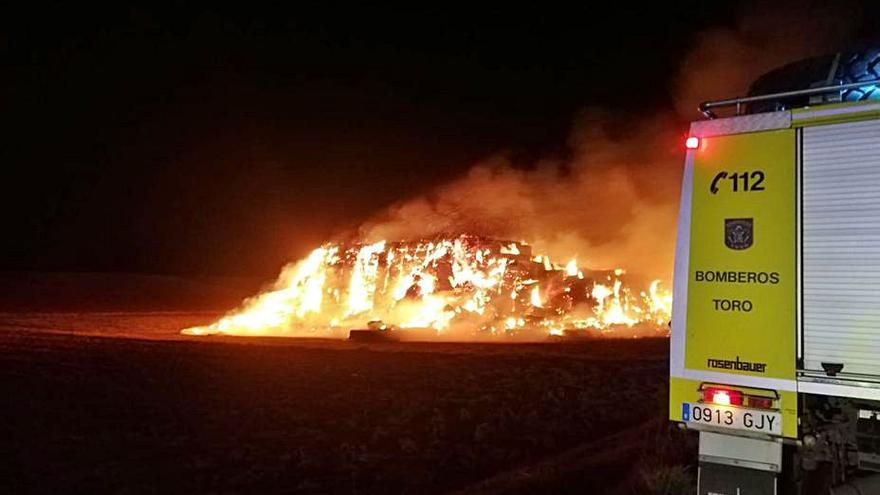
775 344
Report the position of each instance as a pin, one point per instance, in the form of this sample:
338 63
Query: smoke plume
613 202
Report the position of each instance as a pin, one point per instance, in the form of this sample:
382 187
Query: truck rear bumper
732 464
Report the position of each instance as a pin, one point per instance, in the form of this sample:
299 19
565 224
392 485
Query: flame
659 302
465 283
536 297
512 248
299 292
571 269
612 309
363 279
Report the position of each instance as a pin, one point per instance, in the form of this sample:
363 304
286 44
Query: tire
861 66
854 66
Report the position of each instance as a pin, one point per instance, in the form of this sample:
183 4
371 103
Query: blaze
571 269
536 297
363 279
464 286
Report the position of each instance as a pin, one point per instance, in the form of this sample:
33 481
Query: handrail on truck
707 106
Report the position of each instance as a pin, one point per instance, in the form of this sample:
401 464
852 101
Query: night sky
226 141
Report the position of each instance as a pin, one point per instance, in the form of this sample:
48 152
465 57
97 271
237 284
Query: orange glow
468 285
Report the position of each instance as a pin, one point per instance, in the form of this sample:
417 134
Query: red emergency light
692 143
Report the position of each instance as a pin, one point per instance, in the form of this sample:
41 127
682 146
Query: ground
118 401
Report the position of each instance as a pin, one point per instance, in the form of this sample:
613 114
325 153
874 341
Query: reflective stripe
799 222
741 124
680 277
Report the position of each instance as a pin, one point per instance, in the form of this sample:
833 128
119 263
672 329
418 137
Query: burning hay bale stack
457 287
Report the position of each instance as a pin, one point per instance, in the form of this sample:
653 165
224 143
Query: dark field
118 402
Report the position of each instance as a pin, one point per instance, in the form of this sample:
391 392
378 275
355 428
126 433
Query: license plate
737 418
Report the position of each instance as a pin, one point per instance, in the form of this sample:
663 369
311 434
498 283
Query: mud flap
738 465
718 479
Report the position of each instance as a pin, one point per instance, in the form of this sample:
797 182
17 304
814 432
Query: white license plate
738 418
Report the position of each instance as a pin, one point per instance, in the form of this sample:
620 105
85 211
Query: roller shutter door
841 246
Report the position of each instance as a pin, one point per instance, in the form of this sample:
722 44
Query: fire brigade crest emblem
738 233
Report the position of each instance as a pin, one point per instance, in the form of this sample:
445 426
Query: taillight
759 402
722 396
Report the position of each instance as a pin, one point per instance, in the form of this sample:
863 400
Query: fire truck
775 343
